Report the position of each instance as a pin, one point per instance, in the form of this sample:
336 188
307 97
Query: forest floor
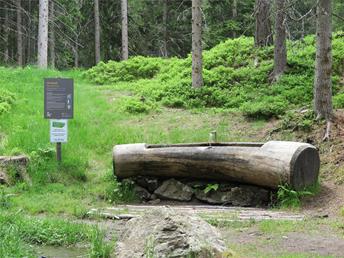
84 179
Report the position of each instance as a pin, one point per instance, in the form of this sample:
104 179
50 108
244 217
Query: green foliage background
236 76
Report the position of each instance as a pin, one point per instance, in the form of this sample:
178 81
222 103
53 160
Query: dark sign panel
58 98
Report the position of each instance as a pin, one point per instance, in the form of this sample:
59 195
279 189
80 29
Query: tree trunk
76 55
28 39
263 34
165 31
43 34
234 14
19 34
323 63
6 34
52 35
270 164
97 31
197 77
280 47
124 12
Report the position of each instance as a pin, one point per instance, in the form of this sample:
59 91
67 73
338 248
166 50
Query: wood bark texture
124 12
6 34
165 30
280 47
52 35
323 64
43 34
19 34
268 165
234 14
197 77
263 33
97 31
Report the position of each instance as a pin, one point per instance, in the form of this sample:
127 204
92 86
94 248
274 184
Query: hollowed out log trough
265 164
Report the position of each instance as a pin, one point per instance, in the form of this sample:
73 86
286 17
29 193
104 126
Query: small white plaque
58 130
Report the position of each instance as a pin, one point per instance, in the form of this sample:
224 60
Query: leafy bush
133 69
6 99
265 108
298 120
338 101
236 75
135 106
288 198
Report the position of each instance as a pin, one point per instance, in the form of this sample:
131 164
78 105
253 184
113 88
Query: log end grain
304 167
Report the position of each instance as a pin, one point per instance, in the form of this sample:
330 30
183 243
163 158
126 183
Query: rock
241 195
214 197
142 193
174 190
150 183
153 197
3 178
154 202
166 233
249 196
13 168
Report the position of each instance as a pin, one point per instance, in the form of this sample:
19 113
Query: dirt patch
327 202
254 243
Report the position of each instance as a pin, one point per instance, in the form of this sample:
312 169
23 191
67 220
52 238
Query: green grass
84 179
19 232
285 226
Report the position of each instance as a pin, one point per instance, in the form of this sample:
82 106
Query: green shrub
130 70
6 100
236 76
289 198
134 105
267 107
173 102
338 101
298 120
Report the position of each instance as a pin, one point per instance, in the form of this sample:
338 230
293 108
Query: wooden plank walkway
220 213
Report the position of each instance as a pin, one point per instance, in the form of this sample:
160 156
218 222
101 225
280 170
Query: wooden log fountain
269 165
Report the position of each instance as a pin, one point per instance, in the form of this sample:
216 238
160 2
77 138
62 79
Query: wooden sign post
58 107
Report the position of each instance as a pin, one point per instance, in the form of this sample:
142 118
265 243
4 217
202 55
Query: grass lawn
84 177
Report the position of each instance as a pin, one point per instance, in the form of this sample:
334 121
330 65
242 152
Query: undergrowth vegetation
236 76
17 232
7 98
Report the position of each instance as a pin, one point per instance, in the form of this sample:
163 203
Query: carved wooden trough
265 164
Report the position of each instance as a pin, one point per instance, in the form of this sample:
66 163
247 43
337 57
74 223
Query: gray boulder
174 190
166 233
241 195
150 183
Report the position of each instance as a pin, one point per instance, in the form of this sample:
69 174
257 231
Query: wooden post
58 152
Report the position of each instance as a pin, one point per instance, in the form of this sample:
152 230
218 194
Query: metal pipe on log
268 165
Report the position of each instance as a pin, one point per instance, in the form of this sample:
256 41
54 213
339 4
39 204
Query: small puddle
61 251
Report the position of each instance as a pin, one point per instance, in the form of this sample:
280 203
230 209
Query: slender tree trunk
43 34
165 31
323 63
6 33
52 35
28 39
234 14
280 47
197 78
97 31
19 34
76 55
124 11
263 33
